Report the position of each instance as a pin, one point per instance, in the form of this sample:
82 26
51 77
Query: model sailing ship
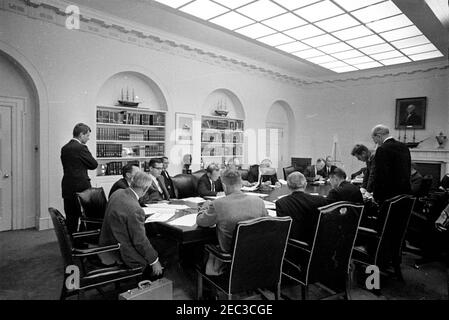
127 102
221 110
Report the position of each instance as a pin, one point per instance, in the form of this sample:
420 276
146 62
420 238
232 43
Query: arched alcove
145 90
226 99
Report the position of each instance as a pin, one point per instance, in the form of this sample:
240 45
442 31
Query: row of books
115 168
155 134
224 124
154 150
222 137
126 117
109 150
221 151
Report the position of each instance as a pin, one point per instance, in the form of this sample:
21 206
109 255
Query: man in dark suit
362 153
157 190
124 223
343 190
209 185
316 172
263 174
128 172
392 164
76 160
302 207
328 168
167 179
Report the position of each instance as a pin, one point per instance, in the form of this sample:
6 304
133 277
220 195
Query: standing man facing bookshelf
76 160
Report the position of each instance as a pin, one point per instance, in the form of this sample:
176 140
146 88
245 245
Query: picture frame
411 113
184 128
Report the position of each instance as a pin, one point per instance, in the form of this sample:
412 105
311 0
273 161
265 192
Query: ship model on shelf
410 144
221 110
126 101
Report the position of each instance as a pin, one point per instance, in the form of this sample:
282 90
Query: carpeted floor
31 269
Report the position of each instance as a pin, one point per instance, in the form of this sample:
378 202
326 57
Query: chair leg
229 295
199 288
277 292
304 292
348 286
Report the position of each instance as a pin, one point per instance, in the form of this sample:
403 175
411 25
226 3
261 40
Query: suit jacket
326 172
204 187
76 160
412 119
415 183
253 175
153 193
391 177
369 174
124 223
346 191
120 184
303 208
168 183
310 175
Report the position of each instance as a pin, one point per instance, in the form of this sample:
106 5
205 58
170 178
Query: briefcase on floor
161 289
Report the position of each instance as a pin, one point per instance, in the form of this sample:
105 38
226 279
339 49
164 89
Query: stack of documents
189 220
195 200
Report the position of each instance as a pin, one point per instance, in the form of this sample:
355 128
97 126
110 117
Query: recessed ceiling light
352 33
390 23
369 65
350 5
173 3
261 10
376 12
419 49
337 23
427 55
322 59
304 32
310 53
284 22
344 69
386 55
293 47
204 9
319 11
292 4
336 47
377 48
232 4
402 33
395 61
320 40
256 30
347 54
276 39
359 60
410 42
232 20
366 41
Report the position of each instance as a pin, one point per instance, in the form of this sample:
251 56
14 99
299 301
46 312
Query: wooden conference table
194 234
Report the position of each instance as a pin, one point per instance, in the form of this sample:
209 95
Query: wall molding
107 26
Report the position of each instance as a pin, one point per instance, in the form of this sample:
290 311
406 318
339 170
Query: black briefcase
161 289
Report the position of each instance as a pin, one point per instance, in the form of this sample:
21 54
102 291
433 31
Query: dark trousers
72 214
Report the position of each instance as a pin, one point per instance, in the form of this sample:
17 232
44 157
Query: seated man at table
328 168
157 190
263 174
124 223
343 190
209 184
128 172
227 212
316 172
302 207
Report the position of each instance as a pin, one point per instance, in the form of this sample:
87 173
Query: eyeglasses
158 168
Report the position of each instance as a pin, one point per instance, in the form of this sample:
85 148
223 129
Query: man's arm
87 159
208 216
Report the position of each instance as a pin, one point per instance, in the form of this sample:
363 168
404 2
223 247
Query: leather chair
327 259
382 246
186 185
89 278
243 173
256 259
93 207
288 170
198 174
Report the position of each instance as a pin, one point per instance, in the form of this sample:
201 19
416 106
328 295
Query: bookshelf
221 140
128 135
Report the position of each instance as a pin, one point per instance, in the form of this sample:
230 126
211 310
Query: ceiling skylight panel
232 20
293 47
304 32
332 65
284 22
359 60
390 23
344 69
322 59
294 4
321 40
319 11
366 41
350 5
387 55
204 9
256 30
336 47
377 48
390 62
276 39
427 55
352 33
410 42
173 3
232 4
376 12
347 54
369 65
402 33
337 23
419 49
261 10
310 53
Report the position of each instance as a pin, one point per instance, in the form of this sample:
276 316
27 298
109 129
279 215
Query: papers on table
270 205
253 188
262 195
160 216
282 181
189 220
196 200
167 206
272 213
214 197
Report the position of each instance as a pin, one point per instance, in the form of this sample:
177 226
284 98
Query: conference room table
185 235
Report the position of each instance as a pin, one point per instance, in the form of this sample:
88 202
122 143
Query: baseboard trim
45 224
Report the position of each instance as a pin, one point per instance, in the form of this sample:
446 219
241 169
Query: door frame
285 128
17 107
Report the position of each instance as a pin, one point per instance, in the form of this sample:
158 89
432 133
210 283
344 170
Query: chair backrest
186 185
426 185
394 216
64 240
259 249
333 244
301 163
288 170
243 173
92 203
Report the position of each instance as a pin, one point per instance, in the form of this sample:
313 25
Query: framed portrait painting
184 128
411 113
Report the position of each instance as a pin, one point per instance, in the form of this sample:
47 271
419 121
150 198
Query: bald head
380 133
411 108
296 181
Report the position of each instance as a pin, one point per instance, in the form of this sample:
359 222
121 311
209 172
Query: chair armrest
368 231
299 244
223 256
93 251
89 233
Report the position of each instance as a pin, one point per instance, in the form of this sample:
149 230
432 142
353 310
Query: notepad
160 217
189 220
